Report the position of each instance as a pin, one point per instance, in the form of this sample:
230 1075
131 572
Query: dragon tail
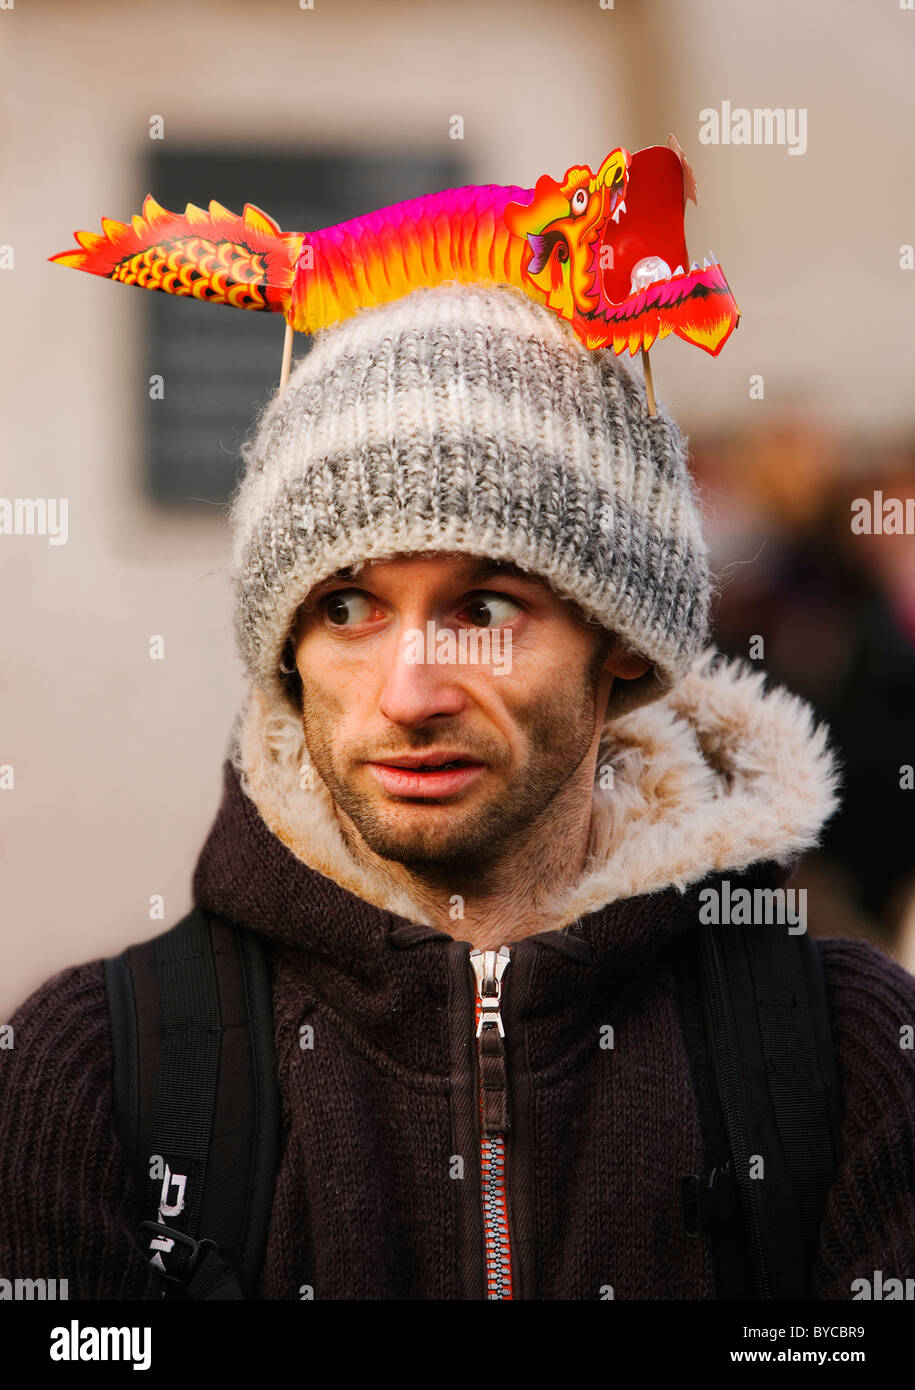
213 255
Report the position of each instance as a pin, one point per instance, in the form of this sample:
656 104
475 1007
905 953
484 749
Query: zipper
488 968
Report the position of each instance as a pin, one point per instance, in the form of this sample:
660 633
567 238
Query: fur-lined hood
725 771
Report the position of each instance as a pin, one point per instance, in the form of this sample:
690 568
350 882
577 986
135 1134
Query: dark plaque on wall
218 364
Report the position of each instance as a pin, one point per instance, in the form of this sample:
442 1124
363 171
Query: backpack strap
774 1122
197 1101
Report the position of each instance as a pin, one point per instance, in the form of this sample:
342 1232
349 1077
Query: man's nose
417 690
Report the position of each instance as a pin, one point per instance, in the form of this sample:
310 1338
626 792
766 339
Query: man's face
381 713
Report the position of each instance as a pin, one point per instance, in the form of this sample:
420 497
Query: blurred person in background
835 607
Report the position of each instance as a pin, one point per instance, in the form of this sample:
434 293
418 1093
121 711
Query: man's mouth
426 774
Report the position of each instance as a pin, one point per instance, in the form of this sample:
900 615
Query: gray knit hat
469 418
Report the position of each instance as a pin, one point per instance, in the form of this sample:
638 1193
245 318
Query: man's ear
624 663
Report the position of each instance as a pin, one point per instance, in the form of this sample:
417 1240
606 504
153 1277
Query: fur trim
720 774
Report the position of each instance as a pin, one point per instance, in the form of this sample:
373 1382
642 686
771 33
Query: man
521 831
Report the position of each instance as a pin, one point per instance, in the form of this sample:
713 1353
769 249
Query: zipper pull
488 968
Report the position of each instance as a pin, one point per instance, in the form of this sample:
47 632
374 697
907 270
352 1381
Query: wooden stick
287 355
649 384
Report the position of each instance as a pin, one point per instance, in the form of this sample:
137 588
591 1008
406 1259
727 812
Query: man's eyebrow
494 569
488 569
348 575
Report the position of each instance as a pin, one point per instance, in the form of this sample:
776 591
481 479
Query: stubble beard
451 847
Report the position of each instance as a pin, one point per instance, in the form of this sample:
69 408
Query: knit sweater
370 1201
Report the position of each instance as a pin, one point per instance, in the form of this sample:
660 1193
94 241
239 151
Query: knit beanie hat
469 418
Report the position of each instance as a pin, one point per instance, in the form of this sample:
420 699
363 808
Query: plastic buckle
197 1249
706 1202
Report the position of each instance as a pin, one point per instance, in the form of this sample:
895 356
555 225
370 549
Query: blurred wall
116 757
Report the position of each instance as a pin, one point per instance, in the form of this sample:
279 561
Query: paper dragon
605 251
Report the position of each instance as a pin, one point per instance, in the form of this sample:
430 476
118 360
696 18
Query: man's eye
492 610
348 608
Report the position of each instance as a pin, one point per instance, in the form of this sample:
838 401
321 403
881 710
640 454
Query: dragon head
595 242
566 226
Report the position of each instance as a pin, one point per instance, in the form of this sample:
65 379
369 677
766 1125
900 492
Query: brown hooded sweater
379 1190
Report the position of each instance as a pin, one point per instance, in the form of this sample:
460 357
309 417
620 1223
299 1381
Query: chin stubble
558 739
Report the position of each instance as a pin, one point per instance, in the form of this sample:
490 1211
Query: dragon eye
579 200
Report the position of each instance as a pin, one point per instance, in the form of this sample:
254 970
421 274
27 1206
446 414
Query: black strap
197 1101
768 1047
710 1200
